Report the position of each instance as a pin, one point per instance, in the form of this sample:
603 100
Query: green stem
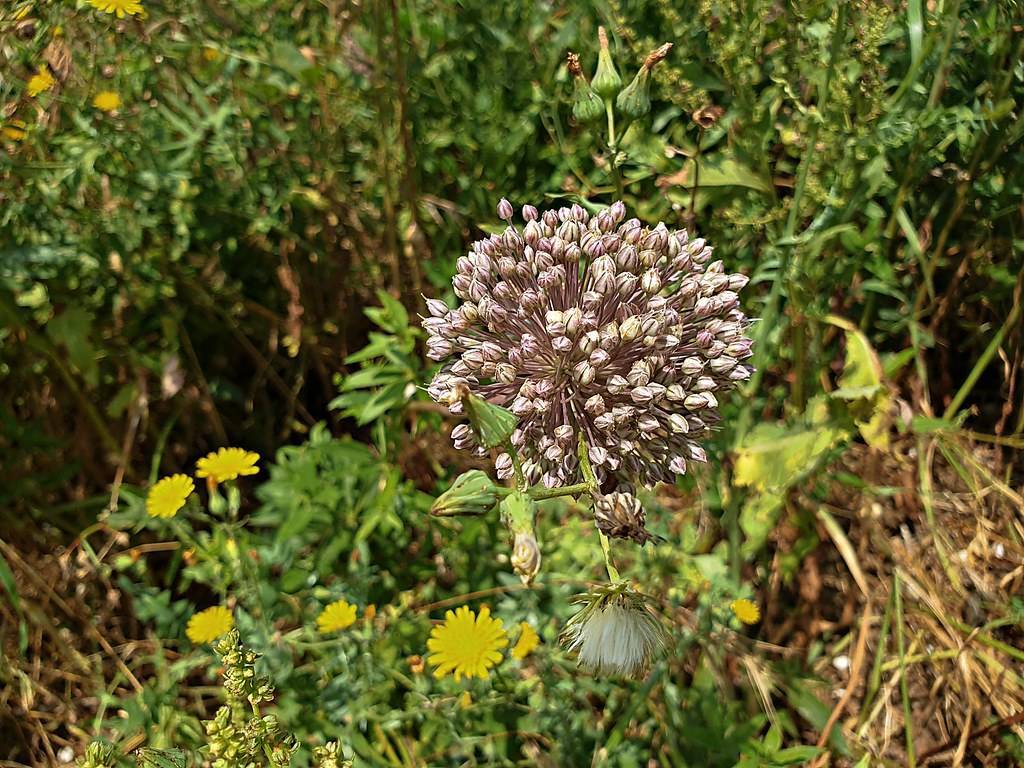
606 547
538 494
904 687
613 149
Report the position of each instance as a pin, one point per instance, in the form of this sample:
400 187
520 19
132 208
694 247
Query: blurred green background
191 270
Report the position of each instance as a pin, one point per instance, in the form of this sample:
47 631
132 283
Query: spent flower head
616 632
598 327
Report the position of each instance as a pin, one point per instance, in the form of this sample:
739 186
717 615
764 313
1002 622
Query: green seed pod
472 493
587 106
606 82
634 101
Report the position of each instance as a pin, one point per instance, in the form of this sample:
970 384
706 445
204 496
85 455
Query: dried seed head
621 516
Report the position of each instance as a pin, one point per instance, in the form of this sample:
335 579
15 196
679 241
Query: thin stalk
696 174
904 688
983 361
613 149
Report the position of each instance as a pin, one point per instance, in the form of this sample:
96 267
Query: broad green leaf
773 457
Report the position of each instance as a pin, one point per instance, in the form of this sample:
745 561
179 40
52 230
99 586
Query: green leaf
774 457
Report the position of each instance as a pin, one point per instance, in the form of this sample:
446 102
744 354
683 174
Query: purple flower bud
529 213
505 211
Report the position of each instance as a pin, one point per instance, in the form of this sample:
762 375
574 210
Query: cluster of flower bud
595 327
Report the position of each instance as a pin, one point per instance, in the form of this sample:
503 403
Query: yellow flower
206 626
168 496
227 464
746 611
41 81
466 644
336 616
106 101
465 700
120 7
528 640
14 130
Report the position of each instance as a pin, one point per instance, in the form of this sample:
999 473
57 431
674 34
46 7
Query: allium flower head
593 326
615 633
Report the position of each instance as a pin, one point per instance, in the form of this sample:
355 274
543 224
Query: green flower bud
635 101
472 493
606 82
519 514
587 106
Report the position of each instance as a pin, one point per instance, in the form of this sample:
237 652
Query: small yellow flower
465 700
336 616
369 612
466 644
210 54
40 82
168 496
528 640
14 130
746 611
106 101
227 464
120 7
206 626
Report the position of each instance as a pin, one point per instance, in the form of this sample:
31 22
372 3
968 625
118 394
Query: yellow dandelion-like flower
466 644
528 640
206 626
106 101
465 700
121 7
746 611
40 82
336 616
168 496
227 464
14 130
